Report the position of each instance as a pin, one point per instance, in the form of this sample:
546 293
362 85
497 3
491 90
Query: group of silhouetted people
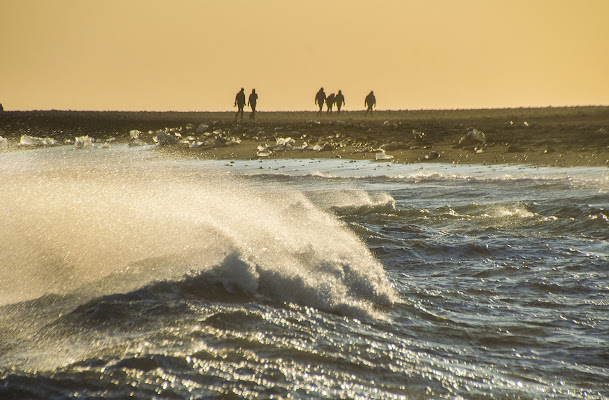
338 100
330 101
251 102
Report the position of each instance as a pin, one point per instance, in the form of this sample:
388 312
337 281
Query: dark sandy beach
561 136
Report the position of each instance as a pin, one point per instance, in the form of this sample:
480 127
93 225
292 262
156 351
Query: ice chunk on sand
473 137
134 133
82 142
382 156
202 128
27 140
162 138
285 141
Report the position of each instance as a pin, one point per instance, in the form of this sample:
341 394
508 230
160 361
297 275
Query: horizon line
314 111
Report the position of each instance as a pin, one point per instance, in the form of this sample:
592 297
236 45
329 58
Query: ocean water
126 273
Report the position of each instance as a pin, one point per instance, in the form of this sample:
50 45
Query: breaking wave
116 229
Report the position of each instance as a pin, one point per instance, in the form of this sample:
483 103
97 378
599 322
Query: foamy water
127 273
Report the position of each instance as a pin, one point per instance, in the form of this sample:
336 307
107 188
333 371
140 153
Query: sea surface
125 272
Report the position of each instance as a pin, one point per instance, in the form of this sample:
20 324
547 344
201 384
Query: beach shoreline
552 136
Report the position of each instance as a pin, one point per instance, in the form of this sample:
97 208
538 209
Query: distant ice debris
281 144
432 156
27 140
194 144
263 151
135 134
474 136
323 147
382 156
82 142
221 141
285 142
480 148
163 138
391 125
202 128
418 136
304 146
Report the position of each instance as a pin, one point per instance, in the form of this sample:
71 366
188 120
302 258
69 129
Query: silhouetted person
330 102
370 102
240 103
1 108
339 100
320 99
252 103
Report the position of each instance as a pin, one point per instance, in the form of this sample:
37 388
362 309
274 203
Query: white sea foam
75 218
351 199
442 172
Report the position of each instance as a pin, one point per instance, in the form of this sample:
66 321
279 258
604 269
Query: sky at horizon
195 55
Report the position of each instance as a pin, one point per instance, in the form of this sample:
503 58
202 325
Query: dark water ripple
523 281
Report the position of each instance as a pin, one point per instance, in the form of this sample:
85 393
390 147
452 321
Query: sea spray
86 220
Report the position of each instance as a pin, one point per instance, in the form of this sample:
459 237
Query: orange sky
194 55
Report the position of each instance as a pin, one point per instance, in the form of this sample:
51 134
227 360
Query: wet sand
561 136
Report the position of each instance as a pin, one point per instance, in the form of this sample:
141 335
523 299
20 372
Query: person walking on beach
339 100
370 102
251 101
320 99
330 102
240 103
